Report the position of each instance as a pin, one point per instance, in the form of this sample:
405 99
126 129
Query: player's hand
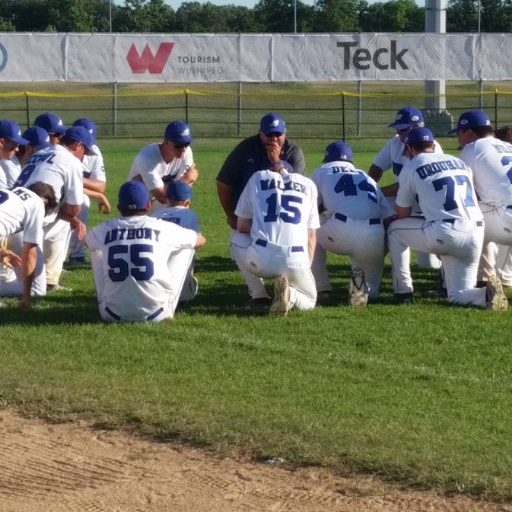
10 259
103 205
25 304
273 151
191 175
78 227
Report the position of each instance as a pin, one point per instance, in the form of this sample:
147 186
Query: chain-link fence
323 110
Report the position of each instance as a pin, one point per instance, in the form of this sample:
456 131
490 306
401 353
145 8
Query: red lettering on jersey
147 61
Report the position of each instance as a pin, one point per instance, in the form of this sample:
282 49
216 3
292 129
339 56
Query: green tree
337 16
462 16
279 16
393 16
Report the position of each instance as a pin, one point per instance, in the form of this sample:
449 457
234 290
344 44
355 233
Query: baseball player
178 197
278 208
94 181
10 140
491 161
61 167
140 263
352 209
53 124
394 156
38 138
171 160
453 226
21 218
253 154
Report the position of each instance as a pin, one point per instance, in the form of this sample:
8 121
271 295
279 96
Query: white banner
253 57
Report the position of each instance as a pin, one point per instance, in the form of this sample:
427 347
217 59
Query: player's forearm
375 172
390 190
403 212
201 240
311 243
243 225
159 194
94 185
225 193
28 267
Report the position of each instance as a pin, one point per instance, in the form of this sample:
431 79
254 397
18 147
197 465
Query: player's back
284 207
136 251
21 209
179 215
491 162
443 185
344 189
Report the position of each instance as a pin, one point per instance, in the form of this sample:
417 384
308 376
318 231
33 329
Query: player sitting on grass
178 197
140 263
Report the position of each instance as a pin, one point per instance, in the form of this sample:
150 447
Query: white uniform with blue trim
491 162
21 220
94 169
354 208
187 219
283 208
453 229
140 264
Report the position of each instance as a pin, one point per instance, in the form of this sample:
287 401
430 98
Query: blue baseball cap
419 134
133 195
11 130
178 191
272 123
37 137
81 134
338 152
472 119
178 132
52 123
86 123
406 117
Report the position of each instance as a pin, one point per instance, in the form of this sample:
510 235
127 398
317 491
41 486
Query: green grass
420 394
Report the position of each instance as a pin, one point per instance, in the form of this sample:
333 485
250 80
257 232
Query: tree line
267 16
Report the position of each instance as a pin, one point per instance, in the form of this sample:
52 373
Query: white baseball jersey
344 189
59 168
443 186
94 169
21 210
179 215
134 281
392 155
9 172
491 162
281 206
150 165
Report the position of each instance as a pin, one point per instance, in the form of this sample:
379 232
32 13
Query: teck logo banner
147 61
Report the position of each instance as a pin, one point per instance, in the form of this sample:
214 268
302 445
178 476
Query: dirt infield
73 468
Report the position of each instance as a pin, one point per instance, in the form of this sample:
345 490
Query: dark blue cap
406 117
11 130
133 195
86 123
81 134
338 151
178 191
178 132
472 119
272 123
52 123
37 137
420 134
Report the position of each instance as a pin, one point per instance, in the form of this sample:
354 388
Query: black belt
295 248
344 218
479 223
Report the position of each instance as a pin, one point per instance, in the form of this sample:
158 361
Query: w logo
147 61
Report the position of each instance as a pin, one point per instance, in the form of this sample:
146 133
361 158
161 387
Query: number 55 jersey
140 264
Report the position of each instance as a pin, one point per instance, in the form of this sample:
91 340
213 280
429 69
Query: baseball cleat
402 298
494 295
280 304
357 288
259 305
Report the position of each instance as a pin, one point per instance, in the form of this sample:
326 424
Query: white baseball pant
498 229
362 240
458 244
267 260
55 248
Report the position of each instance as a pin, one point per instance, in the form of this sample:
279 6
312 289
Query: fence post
343 115
359 106
496 108
186 106
114 109
239 123
481 94
27 104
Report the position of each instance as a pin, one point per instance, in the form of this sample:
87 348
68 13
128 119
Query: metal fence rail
227 111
